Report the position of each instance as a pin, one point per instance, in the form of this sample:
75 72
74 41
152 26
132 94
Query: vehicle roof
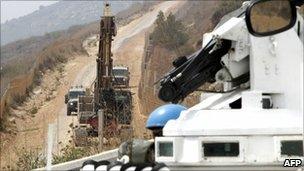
76 89
120 67
235 122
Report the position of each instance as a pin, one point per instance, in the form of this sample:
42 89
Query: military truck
123 106
71 98
111 97
121 76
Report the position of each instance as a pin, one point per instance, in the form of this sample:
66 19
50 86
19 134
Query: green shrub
34 110
18 99
61 69
30 159
169 32
4 119
70 153
37 79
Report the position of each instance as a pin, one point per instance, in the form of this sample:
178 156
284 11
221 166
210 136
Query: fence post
100 129
49 147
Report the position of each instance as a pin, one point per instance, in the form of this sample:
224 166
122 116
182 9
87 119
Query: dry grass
25 73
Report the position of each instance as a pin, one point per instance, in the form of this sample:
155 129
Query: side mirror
66 98
269 17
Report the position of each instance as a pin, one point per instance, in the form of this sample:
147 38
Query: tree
176 32
160 18
169 32
159 35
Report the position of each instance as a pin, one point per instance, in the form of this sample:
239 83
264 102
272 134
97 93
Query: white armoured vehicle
253 124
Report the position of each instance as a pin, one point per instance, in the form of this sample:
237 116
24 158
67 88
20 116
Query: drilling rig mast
108 98
103 90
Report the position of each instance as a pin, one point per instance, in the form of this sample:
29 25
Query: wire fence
17 87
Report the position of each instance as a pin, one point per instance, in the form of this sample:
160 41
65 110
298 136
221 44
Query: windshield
120 72
75 94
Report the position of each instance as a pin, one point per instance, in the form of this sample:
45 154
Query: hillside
23 62
198 17
38 53
43 68
58 16
18 57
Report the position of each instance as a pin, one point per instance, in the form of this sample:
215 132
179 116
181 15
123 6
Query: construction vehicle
138 151
121 76
254 121
114 102
71 98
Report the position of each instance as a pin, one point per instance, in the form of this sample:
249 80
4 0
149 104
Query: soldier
142 151
138 154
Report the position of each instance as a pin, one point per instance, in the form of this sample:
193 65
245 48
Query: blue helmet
160 116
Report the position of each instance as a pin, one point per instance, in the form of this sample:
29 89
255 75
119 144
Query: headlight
165 149
71 104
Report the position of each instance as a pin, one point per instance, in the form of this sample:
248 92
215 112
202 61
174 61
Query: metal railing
77 164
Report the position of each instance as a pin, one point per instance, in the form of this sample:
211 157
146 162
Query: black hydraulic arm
192 72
